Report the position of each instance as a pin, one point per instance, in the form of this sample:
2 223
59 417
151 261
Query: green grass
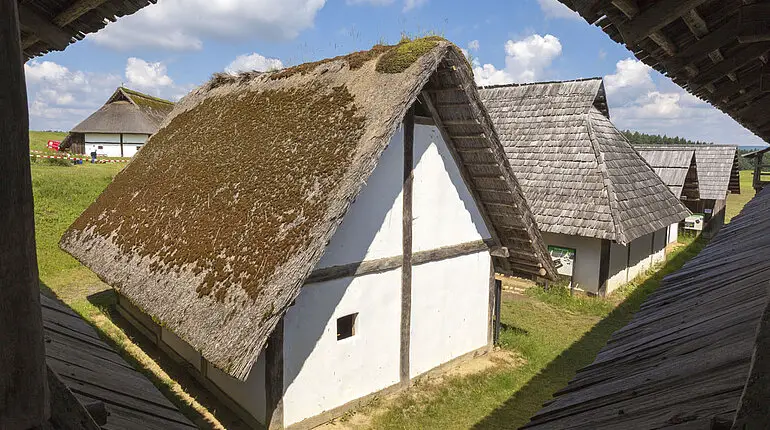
556 334
735 202
38 140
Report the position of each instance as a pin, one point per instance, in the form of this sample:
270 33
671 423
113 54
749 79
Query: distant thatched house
678 170
718 176
308 237
598 204
121 126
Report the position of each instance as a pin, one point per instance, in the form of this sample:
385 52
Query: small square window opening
346 326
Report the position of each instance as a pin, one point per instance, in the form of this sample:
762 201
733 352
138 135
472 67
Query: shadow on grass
107 301
517 410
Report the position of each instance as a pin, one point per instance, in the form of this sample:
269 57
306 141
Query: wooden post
406 267
121 144
498 308
23 375
274 379
604 267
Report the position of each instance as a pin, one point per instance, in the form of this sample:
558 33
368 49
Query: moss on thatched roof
215 225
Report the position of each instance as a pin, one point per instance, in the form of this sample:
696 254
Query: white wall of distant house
588 252
673 233
625 265
109 144
450 298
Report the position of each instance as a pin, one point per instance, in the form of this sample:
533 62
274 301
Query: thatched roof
51 25
579 173
718 170
695 354
127 111
673 168
214 226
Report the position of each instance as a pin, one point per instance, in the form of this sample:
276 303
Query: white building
602 210
120 127
349 245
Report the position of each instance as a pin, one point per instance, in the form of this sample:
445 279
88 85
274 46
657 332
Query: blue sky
169 48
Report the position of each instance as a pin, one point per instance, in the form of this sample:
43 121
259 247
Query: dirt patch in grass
426 388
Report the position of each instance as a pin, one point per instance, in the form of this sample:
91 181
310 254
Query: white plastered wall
250 395
659 246
673 233
108 144
450 298
588 253
618 267
640 256
450 310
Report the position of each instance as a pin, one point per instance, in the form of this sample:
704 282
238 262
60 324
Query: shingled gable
578 172
214 226
718 171
673 167
127 111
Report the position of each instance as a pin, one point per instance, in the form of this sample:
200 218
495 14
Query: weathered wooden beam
628 7
274 378
714 40
76 10
655 18
31 22
695 23
23 374
731 89
737 61
754 23
406 263
664 42
389 263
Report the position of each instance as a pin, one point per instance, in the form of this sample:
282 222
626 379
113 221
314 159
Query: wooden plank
604 266
716 39
274 378
740 59
406 267
655 18
76 10
753 23
390 263
66 411
23 375
31 22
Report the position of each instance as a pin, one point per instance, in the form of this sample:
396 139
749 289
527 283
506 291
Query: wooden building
303 277
72 380
120 127
761 172
678 170
718 176
592 194
695 355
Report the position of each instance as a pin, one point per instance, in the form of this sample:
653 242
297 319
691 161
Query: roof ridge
602 167
147 96
524 84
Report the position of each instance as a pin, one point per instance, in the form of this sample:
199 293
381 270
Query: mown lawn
735 202
38 140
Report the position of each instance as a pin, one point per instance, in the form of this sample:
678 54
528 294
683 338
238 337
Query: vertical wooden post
406 268
758 172
498 308
274 379
604 267
23 383
491 310
121 144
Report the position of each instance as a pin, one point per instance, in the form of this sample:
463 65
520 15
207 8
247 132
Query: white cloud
59 98
526 60
602 54
145 76
408 4
474 45
637 102
556 9
253 61
182 24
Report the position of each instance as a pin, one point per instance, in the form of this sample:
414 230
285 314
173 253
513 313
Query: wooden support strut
274 378
406 267
23 374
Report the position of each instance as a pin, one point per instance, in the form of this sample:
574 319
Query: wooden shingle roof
578 172
94 372
673 167
684 359
718 171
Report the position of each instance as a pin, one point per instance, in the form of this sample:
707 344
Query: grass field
553 333
735 202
